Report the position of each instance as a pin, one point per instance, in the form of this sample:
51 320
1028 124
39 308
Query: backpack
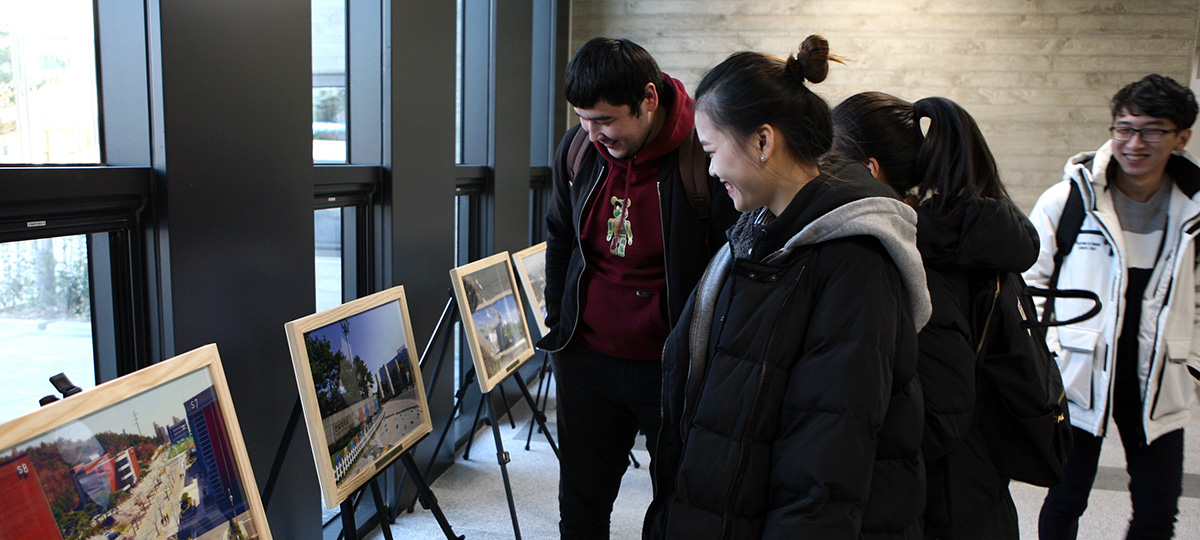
1023 405
693 169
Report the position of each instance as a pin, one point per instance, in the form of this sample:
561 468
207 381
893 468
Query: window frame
111 201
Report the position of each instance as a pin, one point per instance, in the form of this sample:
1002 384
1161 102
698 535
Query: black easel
441 334
424 494
384 512
546 371
349 527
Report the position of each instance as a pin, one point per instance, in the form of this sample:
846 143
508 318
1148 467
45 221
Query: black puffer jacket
791 403
966 497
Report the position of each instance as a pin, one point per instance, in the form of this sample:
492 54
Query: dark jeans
602 403
1155 484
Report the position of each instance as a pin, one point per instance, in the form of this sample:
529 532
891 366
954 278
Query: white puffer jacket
1169 331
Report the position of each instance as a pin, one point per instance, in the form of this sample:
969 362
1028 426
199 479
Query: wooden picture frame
361 419
158 451
493 318
531 268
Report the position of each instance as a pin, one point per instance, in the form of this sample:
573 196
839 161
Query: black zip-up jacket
966 497
688 242
791 404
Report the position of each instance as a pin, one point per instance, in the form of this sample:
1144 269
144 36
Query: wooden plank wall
1036 74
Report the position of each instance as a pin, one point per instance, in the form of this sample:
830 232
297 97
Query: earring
763 157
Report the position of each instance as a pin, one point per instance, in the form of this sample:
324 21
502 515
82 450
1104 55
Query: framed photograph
154 454
531 268
360 388
493 318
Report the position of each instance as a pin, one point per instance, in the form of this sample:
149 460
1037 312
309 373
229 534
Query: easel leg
537 415
448 318
474 424
382 510
349 528
504 399
458 398
426 496
538 398
502 458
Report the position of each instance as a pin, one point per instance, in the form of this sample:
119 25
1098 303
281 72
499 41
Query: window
327 226
74 297
45 319
48 93
329 81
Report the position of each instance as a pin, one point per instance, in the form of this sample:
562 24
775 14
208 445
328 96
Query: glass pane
48 93
327 227
329 125
329 80
45 320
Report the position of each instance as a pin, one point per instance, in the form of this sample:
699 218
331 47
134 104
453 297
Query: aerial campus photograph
366 391
158 465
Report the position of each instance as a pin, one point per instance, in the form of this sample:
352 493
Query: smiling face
1142 163
735 163
622 133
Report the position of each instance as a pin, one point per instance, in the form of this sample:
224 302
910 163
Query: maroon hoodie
623 311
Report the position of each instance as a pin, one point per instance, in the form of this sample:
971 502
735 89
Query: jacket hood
988 233
1090 171
843 201
676 127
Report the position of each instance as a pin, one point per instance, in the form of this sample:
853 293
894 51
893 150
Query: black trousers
1155 484
603 402
1155 470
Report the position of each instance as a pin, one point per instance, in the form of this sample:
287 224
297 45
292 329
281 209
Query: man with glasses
1136 366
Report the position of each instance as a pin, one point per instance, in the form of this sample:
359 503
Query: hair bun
812 62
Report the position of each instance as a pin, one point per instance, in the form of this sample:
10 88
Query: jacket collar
845 201
1090 171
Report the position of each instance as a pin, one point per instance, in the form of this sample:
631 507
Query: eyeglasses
1150 135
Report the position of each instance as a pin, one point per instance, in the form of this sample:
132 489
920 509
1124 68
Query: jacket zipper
662 224
727 514
1118 300
579 247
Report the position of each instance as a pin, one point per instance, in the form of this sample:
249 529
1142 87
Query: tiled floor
472 495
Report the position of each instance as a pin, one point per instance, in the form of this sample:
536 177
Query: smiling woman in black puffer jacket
791 404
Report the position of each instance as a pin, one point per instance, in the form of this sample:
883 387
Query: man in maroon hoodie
625 248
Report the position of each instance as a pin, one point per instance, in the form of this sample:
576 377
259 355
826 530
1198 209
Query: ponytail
954 160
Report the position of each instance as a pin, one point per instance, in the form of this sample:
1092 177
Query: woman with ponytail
967 230
791 405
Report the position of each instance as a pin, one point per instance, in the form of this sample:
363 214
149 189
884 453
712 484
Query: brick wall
1036 74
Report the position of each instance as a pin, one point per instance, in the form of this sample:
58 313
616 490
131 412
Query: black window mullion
121 71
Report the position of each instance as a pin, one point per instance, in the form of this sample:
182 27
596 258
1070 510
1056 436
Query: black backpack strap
1069 225
575 153
693 171
1051 294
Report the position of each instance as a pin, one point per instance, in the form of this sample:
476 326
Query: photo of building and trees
159 465
492 303
363 374
535 269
